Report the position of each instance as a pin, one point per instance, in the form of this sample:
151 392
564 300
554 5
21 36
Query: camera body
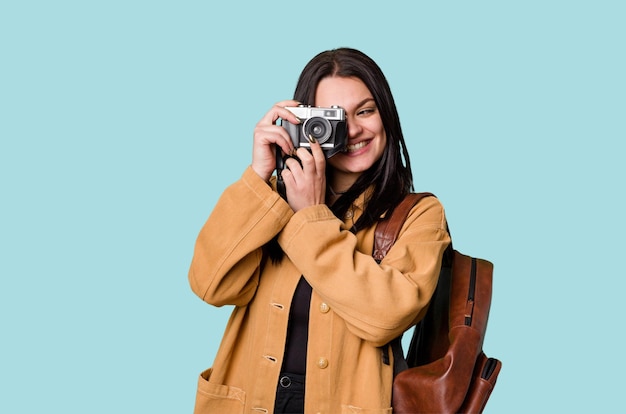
326 125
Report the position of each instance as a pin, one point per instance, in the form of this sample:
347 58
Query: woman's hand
268 135
305 181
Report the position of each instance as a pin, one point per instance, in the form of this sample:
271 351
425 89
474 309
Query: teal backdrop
121 122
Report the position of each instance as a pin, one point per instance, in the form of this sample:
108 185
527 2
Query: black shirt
298 330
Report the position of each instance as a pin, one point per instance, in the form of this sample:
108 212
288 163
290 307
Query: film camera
326 125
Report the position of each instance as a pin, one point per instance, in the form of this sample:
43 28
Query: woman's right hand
268 135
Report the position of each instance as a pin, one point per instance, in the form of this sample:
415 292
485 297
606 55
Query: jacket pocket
351 409
218 398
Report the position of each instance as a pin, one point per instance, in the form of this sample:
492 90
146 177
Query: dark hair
390 177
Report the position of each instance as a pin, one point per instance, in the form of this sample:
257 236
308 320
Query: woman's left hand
305 181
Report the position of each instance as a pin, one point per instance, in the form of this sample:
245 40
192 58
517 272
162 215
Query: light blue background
122 122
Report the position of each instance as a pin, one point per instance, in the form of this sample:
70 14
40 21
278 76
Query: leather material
449 372
388 229
481 387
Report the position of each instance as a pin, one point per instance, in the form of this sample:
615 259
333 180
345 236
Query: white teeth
354 147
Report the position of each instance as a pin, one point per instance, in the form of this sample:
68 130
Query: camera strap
280 165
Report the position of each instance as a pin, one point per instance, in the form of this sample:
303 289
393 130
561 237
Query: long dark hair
390 177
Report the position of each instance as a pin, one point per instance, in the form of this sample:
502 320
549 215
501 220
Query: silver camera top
334 113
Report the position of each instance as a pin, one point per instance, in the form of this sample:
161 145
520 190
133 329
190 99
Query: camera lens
318 128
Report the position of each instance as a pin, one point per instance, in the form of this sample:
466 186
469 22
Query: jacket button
322 363
324 308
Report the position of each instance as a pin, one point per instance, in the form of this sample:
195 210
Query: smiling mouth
356 147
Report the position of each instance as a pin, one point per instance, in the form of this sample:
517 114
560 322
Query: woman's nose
354 129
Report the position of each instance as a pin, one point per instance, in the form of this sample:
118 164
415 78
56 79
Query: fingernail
311 139
299 120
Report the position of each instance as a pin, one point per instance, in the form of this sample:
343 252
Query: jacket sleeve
377 302
225 265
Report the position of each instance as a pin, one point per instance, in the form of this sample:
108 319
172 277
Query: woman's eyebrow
364 101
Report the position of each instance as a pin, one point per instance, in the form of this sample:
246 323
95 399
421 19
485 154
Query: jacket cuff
262 188
303 219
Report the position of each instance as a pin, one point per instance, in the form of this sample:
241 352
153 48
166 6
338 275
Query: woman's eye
366 111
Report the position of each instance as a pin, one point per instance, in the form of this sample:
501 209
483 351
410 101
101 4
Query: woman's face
366 134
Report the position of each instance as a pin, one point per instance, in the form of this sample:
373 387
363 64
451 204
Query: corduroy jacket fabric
357 305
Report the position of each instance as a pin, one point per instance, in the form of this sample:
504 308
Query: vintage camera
326 125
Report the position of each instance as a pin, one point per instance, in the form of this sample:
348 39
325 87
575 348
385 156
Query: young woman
312 308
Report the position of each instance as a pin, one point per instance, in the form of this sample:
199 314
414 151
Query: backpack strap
386 233
389 227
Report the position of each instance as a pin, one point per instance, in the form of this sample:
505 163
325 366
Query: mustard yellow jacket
357 305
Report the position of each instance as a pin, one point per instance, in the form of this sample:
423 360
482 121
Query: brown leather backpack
446 370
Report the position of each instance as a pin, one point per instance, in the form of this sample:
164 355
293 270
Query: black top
298 330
